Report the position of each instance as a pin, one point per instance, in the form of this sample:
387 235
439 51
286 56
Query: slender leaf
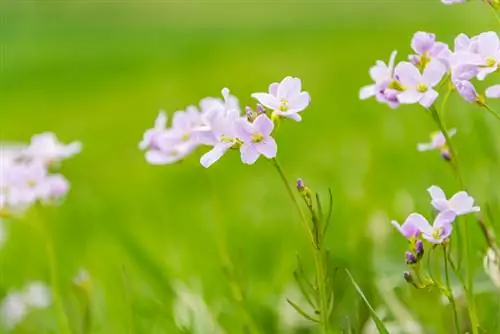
301 311
378 322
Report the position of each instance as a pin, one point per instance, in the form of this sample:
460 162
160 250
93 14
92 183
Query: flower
151 136
449 2
286 98
222 137
460 203
426 47
467 90
410 258
256 139
488 48
408 229
493 92
47 148
439 231
418 88
382 74
438 142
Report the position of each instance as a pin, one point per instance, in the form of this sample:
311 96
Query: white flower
37 295
438 142
286 98
13 310
47 148
460 203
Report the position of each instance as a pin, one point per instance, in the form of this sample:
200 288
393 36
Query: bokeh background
99 72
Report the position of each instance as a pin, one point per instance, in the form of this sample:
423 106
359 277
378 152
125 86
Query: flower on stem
382 75
409 230
438 142
441 228
468 92
488 48
286 98
493 92
460 203
47 148
256 139
427 49
418 87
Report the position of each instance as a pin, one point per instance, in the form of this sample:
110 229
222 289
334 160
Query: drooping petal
433 73
436 192
292 115
489 43
267 100
249 153
161 120
420 222
267 147
421 147
428 98
263 125
408 229
462 203
485 71
209 158
440 204
410 97
367 91
299 102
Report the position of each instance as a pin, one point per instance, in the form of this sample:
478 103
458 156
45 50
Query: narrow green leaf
378 322
302 288
301 311
330 211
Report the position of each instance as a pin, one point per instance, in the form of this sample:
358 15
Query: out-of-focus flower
286 98
441 228
47 148
460 203
493 92
256 139
427 49
17 304
449 2
418 88
438 142
408 229
151 136
491 264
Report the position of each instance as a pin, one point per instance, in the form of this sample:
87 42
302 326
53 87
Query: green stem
469 287
492 111
450 296
318 255
62 320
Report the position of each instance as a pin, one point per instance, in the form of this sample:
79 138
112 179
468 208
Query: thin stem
450 296
235 285
469 288
492 111
318 255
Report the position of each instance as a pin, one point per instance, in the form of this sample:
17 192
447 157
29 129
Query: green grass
99 73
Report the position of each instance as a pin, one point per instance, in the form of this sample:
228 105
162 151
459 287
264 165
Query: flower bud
446 155
467 90
410 258
305 192
408 277
251 115
419 249
260 109
300 185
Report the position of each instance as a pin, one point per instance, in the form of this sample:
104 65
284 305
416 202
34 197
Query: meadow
99 72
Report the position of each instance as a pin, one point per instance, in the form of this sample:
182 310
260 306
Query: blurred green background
100 71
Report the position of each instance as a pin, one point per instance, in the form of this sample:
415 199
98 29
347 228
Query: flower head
47 148
438 142
286 98
488 48
439 231
409 230
418 88
427 49
460 203
256 139
382 75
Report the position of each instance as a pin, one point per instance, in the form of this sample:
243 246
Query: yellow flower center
490 62
396 85
185 136
226 139
257 137
422 88
284 105
436 234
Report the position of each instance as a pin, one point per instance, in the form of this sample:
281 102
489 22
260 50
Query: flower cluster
418 79
219 124
17 304
416 225
25 173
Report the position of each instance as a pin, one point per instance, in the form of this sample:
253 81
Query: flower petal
493 92
436 192
407 74
249 153
421 147
433 73
420 222
444 218
299 102
367 91
209 158
268 147
409 97
263 125
267 100
289 87
428 98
